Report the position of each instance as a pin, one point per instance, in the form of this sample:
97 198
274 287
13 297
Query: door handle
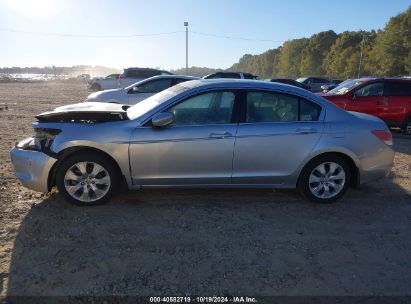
306 131
220 134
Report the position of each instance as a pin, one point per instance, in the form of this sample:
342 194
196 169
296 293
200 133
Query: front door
369 99
197 149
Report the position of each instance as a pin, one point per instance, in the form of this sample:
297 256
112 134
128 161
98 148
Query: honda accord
205 133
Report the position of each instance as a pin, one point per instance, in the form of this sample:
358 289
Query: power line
234 37
67 35
86 36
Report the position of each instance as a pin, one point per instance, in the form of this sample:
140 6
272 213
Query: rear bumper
32 168
377 166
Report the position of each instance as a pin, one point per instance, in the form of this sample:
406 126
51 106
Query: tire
407 127
96 87
78 184
336 177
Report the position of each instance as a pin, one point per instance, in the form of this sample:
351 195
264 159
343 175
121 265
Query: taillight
384 136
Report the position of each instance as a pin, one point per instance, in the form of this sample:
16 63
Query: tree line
384 52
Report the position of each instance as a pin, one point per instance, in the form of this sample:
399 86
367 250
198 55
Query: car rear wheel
87 179
325 179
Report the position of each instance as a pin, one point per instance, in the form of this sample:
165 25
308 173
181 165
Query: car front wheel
87 179
325 179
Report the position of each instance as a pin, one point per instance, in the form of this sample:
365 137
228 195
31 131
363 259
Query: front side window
278 107
153 86
209 108
373 89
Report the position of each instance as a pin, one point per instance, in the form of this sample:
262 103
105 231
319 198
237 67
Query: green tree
314 54
393 46
289 63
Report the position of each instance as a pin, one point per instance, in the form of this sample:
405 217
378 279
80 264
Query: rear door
399 102
276 134
369 99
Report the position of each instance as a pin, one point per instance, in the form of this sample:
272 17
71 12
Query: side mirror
354 96
162 119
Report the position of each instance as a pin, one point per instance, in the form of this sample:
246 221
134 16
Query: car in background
291 82
314 83
232 75
103 83
386 98
331 85
83 77
202 134
130 76
138 91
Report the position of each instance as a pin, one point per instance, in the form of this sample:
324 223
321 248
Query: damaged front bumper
32 168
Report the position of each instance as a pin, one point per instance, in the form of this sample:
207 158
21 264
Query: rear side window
155 86
309 111
278 107
398 88
142 73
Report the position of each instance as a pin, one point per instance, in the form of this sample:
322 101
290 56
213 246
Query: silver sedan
205 133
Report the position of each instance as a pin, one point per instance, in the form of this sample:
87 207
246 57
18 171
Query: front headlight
43 138
41 141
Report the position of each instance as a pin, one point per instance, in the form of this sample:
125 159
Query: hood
90 112
113 94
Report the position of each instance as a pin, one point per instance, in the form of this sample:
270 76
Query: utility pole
361 54
186 25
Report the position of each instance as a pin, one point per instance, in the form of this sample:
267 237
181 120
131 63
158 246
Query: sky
125 33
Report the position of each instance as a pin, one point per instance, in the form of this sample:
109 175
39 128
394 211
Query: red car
386 98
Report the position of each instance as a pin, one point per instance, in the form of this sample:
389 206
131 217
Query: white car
138 91
103 83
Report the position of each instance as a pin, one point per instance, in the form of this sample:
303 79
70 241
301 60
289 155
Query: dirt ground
197 242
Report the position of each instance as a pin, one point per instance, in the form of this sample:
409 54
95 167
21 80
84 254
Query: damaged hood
88 112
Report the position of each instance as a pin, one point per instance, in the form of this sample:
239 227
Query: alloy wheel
87 181
327 180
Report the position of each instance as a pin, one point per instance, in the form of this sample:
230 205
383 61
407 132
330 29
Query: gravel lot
197 242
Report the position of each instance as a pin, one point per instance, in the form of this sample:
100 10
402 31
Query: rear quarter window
398 88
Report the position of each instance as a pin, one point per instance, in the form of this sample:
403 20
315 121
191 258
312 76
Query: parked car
83 77
331 85
233 75
133 75
386 98
205 133
314 83
103 83
138 91
291 82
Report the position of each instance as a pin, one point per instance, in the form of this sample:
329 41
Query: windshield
302 79
150 103
346 86
136 84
